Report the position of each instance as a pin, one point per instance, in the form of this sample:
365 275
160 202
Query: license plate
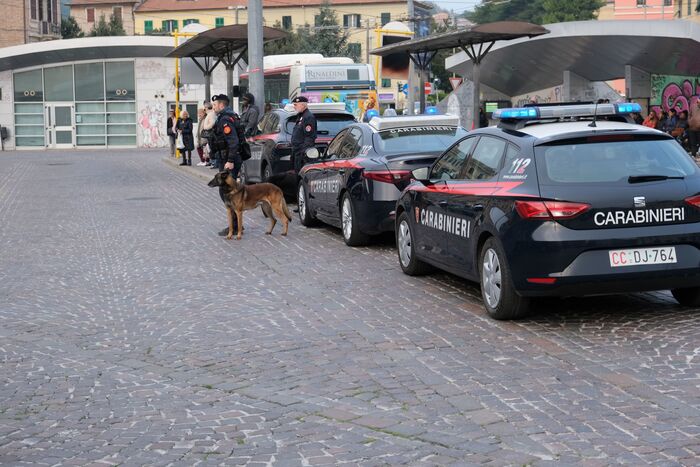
642 256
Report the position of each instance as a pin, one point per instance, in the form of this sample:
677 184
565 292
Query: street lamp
237 8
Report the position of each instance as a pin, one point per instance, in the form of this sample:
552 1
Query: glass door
60 125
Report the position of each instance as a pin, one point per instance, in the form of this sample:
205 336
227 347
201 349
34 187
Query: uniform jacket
304 133
225 130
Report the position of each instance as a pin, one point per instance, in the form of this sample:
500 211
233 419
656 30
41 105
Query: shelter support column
207 86
637 83
229 82
576 88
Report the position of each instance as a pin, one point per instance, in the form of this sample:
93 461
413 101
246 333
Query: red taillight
693 200
541 280
387 176
550 210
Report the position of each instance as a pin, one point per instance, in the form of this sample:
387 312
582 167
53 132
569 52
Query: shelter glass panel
58 83
28 86
89 82
120 81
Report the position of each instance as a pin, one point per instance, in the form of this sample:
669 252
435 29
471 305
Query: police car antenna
595 114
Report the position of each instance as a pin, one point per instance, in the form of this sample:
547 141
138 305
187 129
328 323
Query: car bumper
375 217
577 263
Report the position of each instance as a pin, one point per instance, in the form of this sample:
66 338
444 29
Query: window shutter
219 22
148 26
346 21
90 15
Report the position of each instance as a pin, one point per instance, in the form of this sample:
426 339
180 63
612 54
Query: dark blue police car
356 183
557 201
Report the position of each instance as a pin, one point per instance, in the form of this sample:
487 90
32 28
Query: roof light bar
411 121
562 111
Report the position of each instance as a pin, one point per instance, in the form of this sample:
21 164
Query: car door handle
478 207
442 204
341 171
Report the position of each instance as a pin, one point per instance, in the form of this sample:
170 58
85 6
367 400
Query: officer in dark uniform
304 132
225 142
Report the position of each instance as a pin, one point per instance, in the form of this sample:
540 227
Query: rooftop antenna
595 115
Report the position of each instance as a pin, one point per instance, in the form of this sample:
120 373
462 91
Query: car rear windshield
417 139
603 159
326 124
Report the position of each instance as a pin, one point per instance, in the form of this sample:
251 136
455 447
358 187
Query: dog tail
286 211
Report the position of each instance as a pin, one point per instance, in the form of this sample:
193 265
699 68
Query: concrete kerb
204 173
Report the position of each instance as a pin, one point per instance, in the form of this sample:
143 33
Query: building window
90 13
386 82
41 10
355 49
218 22
148 26
668 2
169 25
117 12
641 2
386 17
287 22
317 20
351 21
33 8
189 21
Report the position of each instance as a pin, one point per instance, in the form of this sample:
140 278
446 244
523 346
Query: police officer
304 132
226 143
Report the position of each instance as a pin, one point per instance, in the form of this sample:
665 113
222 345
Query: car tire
349 224
305 217
266 173
408 261
500 298
687 297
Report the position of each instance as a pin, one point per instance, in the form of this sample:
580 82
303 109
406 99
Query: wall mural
671 91
152 121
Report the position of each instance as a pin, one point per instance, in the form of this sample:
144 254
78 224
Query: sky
456 5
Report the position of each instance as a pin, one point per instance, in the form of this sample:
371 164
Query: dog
239 197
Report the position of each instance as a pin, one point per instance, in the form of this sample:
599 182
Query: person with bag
208 135
172 136
184 128
250 115
201 143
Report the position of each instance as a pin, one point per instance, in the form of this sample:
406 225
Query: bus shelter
476 42
225 45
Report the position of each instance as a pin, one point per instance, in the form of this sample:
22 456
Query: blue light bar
284 102
432 110
518 113
628 108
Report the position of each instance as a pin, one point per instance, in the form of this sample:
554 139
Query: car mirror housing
420 174
312 153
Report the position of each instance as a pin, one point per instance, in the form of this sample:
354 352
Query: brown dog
239 198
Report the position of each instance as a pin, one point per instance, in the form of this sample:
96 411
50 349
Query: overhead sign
455 82
404 89
428 87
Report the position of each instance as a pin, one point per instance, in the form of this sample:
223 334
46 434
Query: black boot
184 161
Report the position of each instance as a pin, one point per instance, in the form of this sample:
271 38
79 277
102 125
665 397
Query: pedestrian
207 134
694 129
652 120
483 119
250 115
671 121
184 127
680 132
268 108
304 132
637 118
663 121
172 135
201 143
225 141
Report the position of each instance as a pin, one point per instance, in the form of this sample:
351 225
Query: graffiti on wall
151 121
674 92
545 96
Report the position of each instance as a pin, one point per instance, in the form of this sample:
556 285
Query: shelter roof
478 34
594 50
86 48
220 41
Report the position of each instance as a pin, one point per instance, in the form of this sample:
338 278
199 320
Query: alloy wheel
491 278
404 244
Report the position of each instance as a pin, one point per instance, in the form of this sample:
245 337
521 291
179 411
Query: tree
535 11
557 11
70 28
113 28
295 42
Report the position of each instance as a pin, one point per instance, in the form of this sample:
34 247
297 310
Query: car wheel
500 299
307 219
407 251
267 173
687 297
350 225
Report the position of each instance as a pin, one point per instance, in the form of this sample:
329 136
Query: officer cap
299 99
220 97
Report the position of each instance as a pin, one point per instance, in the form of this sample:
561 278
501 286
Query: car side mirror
421 174
312 153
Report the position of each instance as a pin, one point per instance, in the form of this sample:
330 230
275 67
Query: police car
357 182
271 150
557 201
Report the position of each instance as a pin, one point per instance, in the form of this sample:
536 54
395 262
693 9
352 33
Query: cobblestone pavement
131 334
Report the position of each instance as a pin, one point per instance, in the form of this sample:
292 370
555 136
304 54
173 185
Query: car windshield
412 139
592 161
326 124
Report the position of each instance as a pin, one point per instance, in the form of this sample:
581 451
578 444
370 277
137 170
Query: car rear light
387 176
693 200
541 280
550 210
